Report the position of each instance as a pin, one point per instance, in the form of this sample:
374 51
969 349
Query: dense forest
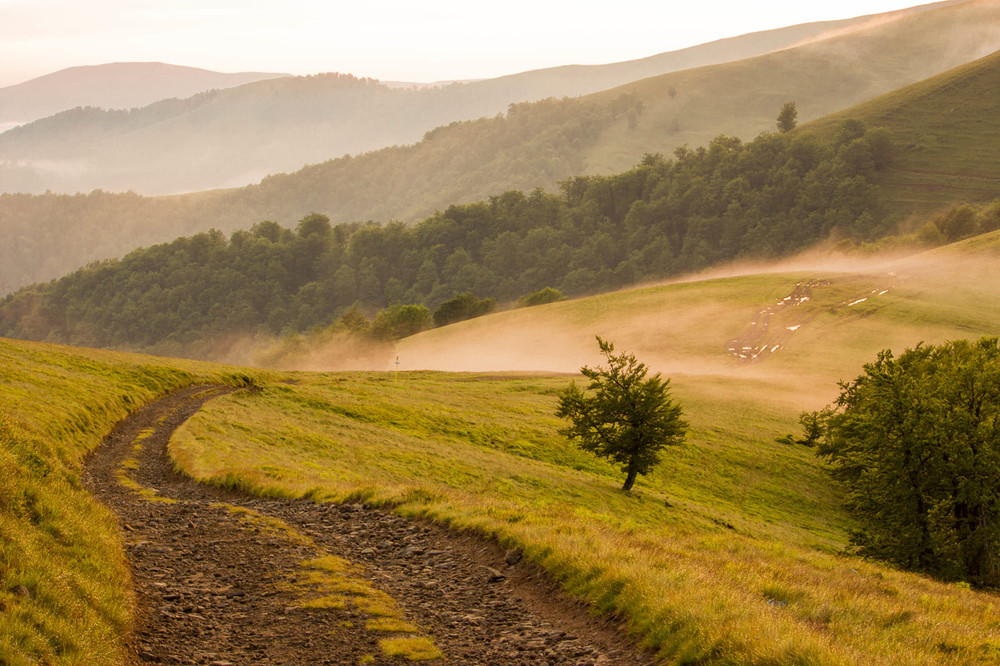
765 198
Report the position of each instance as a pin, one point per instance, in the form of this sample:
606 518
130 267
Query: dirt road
222 578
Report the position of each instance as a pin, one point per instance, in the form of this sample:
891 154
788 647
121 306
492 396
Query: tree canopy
916 441
788 117
627 418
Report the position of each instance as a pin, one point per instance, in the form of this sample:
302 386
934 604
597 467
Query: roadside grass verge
728 553
65 592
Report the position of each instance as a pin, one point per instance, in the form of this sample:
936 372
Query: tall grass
728 553
732 551
65 592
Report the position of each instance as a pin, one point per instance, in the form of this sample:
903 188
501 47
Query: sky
391 40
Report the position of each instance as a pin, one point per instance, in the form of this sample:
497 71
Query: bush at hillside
916 441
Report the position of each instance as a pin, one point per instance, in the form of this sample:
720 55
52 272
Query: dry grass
731 551
56 543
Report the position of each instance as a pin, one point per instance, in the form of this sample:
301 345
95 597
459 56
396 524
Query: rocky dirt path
223 578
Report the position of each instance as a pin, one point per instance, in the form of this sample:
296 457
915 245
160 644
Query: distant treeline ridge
765 198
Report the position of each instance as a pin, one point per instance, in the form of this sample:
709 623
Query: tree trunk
630 481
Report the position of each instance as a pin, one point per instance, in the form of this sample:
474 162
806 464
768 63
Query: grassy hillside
687 327
947 134
65 592
535 145
159 149
728 552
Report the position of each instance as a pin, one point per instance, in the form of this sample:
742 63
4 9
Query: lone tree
916 441
627 417
788 117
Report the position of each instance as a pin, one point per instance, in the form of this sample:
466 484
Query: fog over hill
237 136
533 145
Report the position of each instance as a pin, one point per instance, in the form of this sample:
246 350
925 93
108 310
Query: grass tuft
412 648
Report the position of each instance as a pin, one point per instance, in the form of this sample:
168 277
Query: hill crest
118 85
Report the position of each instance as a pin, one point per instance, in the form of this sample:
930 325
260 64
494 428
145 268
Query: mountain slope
120 85
657 220
533 145
854 308
946 130
280 125
729 553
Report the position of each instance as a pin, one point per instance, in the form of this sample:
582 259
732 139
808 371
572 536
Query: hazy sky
410 40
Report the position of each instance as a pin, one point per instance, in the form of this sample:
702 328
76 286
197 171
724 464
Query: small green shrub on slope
626 418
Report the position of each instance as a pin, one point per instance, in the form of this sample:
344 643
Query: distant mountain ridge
535 145
237 136
119 85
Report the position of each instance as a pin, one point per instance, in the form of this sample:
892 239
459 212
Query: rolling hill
280 125
729 552
946 133
534 145
120 85
854 308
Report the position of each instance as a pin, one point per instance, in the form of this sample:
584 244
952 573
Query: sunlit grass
412 648
56 542
731 551
132 463
728 552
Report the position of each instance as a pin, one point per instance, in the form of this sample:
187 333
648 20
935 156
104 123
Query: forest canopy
765 198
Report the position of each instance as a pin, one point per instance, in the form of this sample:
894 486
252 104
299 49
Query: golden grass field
731 551
65 592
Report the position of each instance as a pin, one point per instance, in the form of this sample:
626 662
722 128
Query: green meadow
733 550
943 128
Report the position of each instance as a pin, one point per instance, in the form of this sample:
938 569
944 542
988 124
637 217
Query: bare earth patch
223 578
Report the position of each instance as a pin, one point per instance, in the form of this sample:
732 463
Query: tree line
764 198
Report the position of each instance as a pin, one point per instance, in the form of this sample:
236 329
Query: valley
538 145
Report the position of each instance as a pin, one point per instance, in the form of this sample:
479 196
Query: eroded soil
222 578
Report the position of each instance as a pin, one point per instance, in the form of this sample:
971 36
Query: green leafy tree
540 297
916 441
788 117
400 321
354 322
462 307
626 417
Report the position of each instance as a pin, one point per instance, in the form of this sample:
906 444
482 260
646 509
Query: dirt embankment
222 578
